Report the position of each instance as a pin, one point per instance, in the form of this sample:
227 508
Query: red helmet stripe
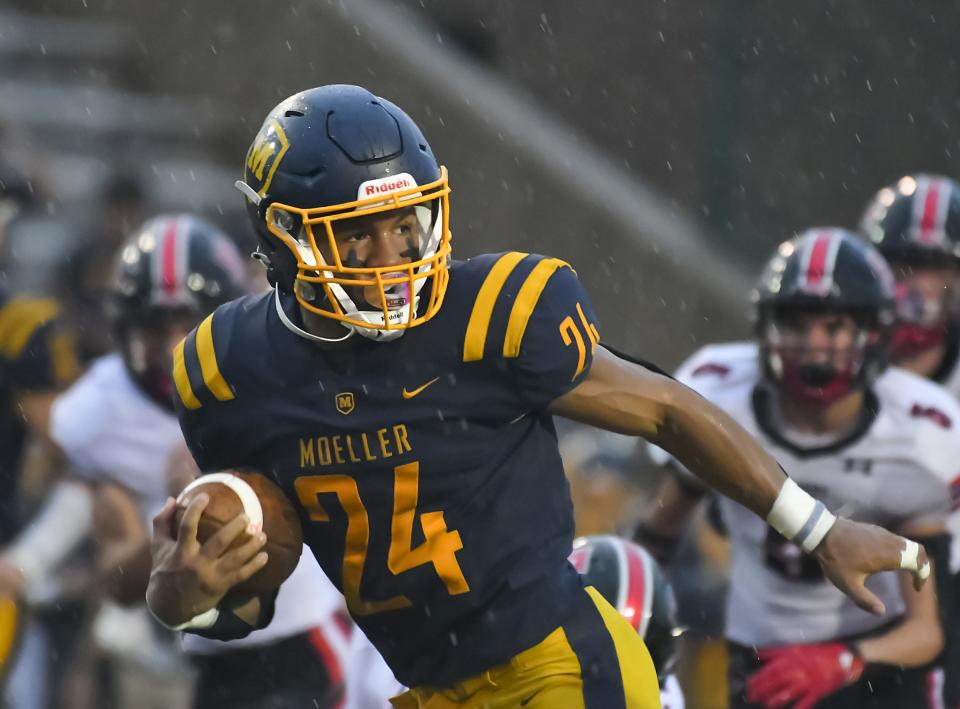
817 261
169 256
928 220
636 607
817 268
931 205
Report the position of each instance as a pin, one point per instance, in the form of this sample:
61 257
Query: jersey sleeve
533 318
551 352
38 346
204 397
928 496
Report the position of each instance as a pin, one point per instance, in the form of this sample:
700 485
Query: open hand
188 578
852 551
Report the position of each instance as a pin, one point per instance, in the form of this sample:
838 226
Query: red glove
804 674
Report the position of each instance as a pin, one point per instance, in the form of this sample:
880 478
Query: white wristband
799 517
199 622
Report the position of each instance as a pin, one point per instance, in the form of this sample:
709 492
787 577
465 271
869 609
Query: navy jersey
36 354
426 468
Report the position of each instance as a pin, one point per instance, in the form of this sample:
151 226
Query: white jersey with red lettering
111 432
893 469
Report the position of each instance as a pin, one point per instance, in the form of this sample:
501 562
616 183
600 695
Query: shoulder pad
199 359
19 320
508 288
930 413
720 367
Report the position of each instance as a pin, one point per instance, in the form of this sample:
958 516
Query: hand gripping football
267 508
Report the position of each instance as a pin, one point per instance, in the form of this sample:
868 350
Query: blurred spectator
86 272
36 361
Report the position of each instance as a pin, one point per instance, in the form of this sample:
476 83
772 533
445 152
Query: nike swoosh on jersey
411 394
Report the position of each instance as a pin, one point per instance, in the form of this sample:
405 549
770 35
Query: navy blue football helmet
824 269
916 220
324 160
174 268
915 224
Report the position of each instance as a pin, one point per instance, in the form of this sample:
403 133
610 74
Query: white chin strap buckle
910 560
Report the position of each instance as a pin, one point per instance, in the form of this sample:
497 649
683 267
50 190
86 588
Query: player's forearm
719 451
624 397
918 639
914 643
125 571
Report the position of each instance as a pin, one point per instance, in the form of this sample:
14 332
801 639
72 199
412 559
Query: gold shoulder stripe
208 362
20 320
181 380
526 301
479 322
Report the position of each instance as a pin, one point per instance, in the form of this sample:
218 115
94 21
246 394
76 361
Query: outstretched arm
628 398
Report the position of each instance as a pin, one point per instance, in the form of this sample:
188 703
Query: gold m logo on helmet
345 402
259 155
266 153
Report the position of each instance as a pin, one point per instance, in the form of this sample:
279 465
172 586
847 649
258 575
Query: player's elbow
937 638
932 646
930 641
679 408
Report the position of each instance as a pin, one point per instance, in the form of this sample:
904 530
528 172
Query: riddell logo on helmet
385 185
394 186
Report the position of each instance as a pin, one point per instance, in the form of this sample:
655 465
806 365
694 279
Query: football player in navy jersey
403 401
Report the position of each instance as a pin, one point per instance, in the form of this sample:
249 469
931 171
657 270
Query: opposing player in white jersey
118 431
915 224
878 444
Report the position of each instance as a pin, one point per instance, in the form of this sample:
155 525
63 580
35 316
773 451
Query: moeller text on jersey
364 447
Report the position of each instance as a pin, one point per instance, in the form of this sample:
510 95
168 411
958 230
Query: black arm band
938 552
636 360
230 627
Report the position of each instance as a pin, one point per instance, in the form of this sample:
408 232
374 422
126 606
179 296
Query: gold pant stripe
9 631
525 303
479 322
181 380
574 696
549 675
208 362
633 655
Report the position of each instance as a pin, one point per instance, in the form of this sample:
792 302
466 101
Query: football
232 493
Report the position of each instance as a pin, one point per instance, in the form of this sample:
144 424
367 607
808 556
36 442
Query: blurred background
662 148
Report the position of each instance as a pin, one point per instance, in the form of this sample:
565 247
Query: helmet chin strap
248 192
292 326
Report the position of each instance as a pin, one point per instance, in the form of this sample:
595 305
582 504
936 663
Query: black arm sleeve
938 551
230 627
636 360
